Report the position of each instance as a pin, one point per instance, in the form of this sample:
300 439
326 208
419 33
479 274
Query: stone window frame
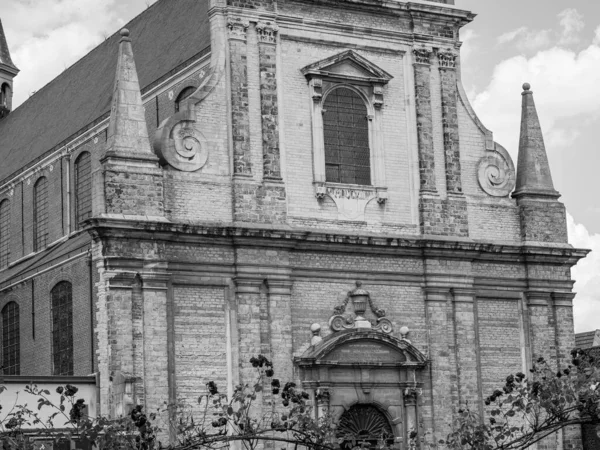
11 338
61 300
81 190
40 214
5 225
370 88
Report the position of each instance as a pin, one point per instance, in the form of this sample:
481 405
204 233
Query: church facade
303 179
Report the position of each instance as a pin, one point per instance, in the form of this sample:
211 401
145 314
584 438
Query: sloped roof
164 36
587 339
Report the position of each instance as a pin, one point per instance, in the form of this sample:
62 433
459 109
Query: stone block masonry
268 5
447 66
542 220
240 123
268 100
444 217
261 203
134 192
424 120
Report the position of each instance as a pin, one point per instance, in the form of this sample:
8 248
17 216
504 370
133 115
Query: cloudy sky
556 48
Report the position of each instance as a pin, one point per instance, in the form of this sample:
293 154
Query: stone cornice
303 239
396 7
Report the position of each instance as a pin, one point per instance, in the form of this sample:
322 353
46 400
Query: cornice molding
302 239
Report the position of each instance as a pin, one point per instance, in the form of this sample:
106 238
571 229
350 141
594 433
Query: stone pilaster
467 346
443 367
565 342
447 68
541 322
422 69
267 52
248 302
159 378
280 319
240 123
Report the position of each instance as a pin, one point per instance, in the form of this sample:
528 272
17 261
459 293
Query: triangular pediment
350 65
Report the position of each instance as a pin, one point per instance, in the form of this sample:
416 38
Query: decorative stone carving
178 141
447 59
266 32
316 86
185 148
351 201
315 329
322 395
378 96
237 28
422 56
350 313
496 172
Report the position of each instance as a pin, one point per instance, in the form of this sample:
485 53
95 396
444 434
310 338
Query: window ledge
350 191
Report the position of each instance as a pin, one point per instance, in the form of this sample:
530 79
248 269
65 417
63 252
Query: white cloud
571 23
586 307
597 36
468 38
47 37
526 39
565 86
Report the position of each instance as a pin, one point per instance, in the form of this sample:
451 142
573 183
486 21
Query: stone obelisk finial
533 171
127 130
130 182
8 71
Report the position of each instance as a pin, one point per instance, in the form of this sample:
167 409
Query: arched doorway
364 426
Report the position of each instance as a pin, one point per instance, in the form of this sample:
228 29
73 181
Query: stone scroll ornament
178 141
350 314
496 172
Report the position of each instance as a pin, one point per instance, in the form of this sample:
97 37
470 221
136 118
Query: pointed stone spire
533 171
5 54
127 130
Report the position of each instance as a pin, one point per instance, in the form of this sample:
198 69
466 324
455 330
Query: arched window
183 95
4 233
40 214
62 328
364 425
346 136
4 95
11 352
83 188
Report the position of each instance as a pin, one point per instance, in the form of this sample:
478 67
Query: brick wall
33 298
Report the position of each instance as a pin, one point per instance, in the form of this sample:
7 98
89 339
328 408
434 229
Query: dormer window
347 93
182 96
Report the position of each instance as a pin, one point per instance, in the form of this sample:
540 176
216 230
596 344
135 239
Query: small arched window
183 95
40 214
346 136
62 328
4 233
83 188
11 350
4 95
